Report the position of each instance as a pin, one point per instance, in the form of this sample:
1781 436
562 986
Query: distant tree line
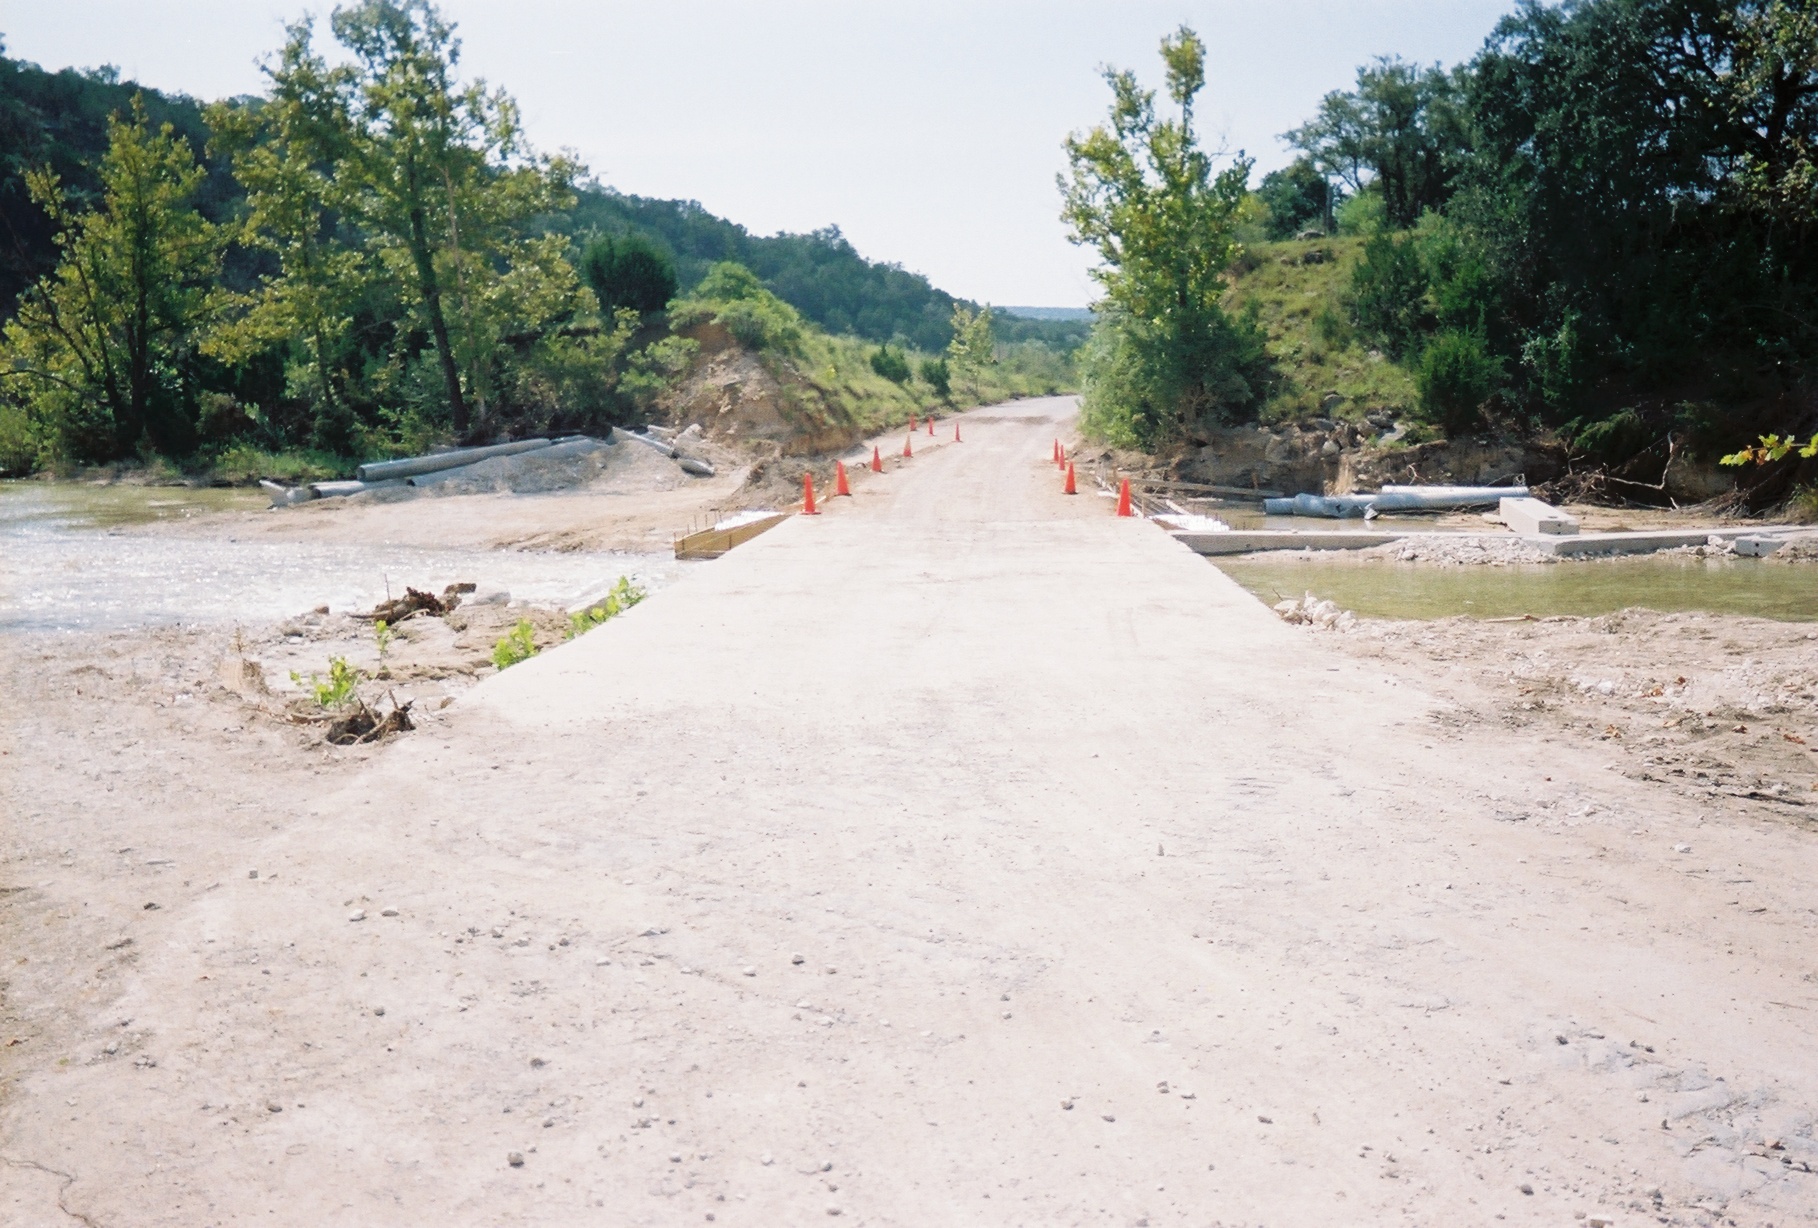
819 273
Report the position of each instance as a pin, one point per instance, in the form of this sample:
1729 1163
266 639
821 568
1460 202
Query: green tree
1403 129
1143 193
439 174
1298 196
973 347
102 351
284 153
629 271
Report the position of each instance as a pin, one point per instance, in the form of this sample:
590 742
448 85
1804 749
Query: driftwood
416 601
365 725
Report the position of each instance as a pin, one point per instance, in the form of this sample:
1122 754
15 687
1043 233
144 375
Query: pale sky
929 131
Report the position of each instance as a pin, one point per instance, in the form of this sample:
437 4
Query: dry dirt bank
1717 709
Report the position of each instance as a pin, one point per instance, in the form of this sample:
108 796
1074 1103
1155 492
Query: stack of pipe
1393 499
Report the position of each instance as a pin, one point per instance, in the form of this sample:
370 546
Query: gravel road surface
964 855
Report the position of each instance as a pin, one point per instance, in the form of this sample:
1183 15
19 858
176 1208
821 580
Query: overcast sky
928 131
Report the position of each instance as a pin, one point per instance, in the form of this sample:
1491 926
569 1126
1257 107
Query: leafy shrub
342 681
1388 297
19 450
1457 376
628 272
1364 214
935 374
732 296
623 596
515 646
891 365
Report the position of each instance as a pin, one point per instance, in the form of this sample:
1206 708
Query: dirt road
962 856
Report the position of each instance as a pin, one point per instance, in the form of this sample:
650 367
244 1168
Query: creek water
76 557
1668 583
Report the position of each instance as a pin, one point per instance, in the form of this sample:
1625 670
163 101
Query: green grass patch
1300 302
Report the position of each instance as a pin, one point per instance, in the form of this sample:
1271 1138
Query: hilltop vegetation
369 257
1318 362
1605 225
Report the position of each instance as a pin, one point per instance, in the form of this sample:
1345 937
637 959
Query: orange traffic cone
907 450
1069 488
956 437
877 462
1123 499
839 480
1059 460
808 508
931 424
913 421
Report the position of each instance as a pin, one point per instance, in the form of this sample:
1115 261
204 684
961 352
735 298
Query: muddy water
1669 583
76 557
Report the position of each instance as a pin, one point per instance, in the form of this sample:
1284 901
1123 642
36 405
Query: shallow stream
79 557
1668 583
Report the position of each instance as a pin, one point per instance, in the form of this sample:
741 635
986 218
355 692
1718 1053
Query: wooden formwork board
712 543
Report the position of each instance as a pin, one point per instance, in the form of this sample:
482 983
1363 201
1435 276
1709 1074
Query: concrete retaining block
1532 518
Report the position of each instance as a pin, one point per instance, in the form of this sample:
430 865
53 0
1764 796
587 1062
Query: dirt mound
741 399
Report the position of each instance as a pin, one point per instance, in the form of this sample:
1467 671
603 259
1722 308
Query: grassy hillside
1297 288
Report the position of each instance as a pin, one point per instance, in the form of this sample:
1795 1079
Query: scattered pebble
378 1010
798 959
638 1102
1067 1104
1162 1087
1682 848
1006 1014
601 962
388 912
1110 1117
830 970
751 972
252 874
1267 1121
675 1157
274 1107
1187 1096
537 1063
358 914
766 1159
1525 1188
515 1159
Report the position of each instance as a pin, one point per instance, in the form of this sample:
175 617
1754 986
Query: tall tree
1402 130
974 347
284 153
100 349
441 172
1143 193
